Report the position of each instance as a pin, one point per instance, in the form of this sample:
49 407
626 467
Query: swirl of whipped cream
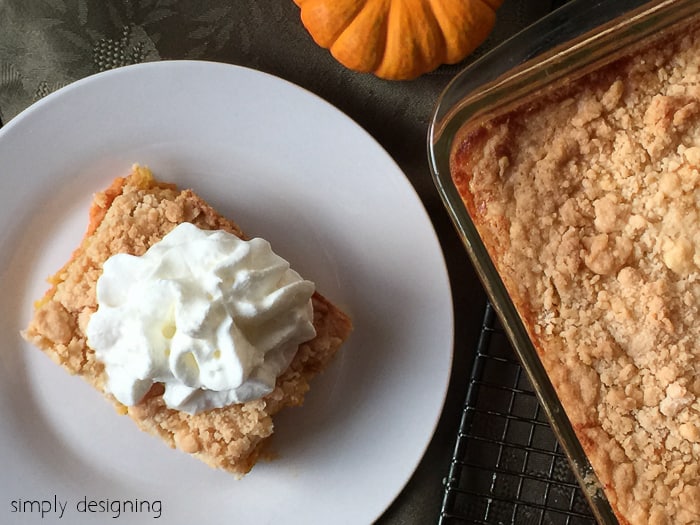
214 318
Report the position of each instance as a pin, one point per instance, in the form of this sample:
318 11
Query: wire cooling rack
507 466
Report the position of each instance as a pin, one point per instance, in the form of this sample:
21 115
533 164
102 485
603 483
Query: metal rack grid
507 466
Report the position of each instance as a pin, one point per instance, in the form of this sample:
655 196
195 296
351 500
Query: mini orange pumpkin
398 39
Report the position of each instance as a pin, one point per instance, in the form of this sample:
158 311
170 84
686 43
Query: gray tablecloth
47 44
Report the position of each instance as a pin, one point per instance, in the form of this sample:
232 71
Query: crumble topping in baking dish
588 202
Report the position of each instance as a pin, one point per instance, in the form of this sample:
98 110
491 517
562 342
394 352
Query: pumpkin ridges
329 19
435 54
455 15
414 43
398 39
361 45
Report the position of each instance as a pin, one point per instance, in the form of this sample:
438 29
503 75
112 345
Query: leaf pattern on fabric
9 77
10 85
108 53
58 41
210 31
54 42
43 89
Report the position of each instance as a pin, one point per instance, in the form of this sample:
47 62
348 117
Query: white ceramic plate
288 167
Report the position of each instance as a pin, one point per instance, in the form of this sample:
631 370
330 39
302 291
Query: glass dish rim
499 79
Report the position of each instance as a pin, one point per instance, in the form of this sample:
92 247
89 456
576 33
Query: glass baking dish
572 41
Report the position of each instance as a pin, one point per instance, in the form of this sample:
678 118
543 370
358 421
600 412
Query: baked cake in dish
130 216
587 198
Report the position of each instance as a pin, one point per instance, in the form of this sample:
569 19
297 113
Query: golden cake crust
131 215
587 200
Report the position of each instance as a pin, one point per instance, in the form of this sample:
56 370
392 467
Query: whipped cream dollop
214 318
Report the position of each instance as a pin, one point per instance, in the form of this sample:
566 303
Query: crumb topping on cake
130 216
589 204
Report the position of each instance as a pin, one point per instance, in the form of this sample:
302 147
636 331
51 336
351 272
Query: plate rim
41 105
